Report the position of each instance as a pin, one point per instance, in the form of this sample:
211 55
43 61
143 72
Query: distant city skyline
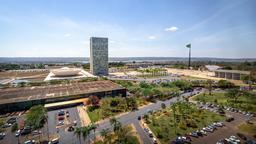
135 28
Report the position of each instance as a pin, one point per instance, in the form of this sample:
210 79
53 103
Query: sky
135 28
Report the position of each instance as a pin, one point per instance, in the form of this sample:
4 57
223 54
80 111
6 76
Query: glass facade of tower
99 56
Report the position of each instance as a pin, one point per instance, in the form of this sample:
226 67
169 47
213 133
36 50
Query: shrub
92 108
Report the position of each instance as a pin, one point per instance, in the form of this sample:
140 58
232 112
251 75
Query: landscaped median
179 119
113 106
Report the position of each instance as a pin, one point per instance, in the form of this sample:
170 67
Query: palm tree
124 135
115 123
104 133
174 117
78 133
209 86
85 131
93 127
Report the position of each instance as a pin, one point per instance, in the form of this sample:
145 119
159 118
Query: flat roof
12 95
233 71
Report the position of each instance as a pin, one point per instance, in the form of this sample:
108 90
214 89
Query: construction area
12 99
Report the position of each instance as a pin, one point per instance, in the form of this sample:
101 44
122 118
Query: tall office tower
99 56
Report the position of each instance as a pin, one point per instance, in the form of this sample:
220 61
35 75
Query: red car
60 118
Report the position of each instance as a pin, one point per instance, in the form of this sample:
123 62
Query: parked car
154 140
2 135
194 134
17 133
71 128
139 117
146 130
60 118
26 130
54 141
150 134
61 112
11 120
75 122
36 132
30 142
61 123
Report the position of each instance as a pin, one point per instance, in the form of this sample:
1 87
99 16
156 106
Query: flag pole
189 58
189 55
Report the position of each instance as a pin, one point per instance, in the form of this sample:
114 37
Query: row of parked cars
236 140
249 114
198 133
150 134
231 140
8 123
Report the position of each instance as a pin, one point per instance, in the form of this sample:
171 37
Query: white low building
67 73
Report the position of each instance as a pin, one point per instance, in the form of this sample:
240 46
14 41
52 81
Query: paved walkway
84 118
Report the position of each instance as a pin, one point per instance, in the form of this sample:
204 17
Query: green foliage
225 84
110 106
163 105
14 127
132 103
179 119
86 66
2 122
182 84
36 117
116 64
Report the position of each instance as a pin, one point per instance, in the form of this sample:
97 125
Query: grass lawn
248 128
162 123
95 115
247 103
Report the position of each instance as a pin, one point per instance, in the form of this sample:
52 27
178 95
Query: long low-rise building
230 74
13 99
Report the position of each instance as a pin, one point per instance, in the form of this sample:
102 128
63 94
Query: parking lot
58 125
223 132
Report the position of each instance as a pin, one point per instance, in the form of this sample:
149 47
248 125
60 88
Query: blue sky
62 28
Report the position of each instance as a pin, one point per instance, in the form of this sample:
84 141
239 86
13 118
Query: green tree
173 107
78 133
131 103
14 127
234 94
225 84
115 123
104 133
208 85
163 105
36 117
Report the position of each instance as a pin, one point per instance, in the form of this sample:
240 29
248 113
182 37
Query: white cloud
112 41
172 29
85 42
151 37
67 35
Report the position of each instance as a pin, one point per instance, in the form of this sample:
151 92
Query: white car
17 133
54 141
154 140
29 142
